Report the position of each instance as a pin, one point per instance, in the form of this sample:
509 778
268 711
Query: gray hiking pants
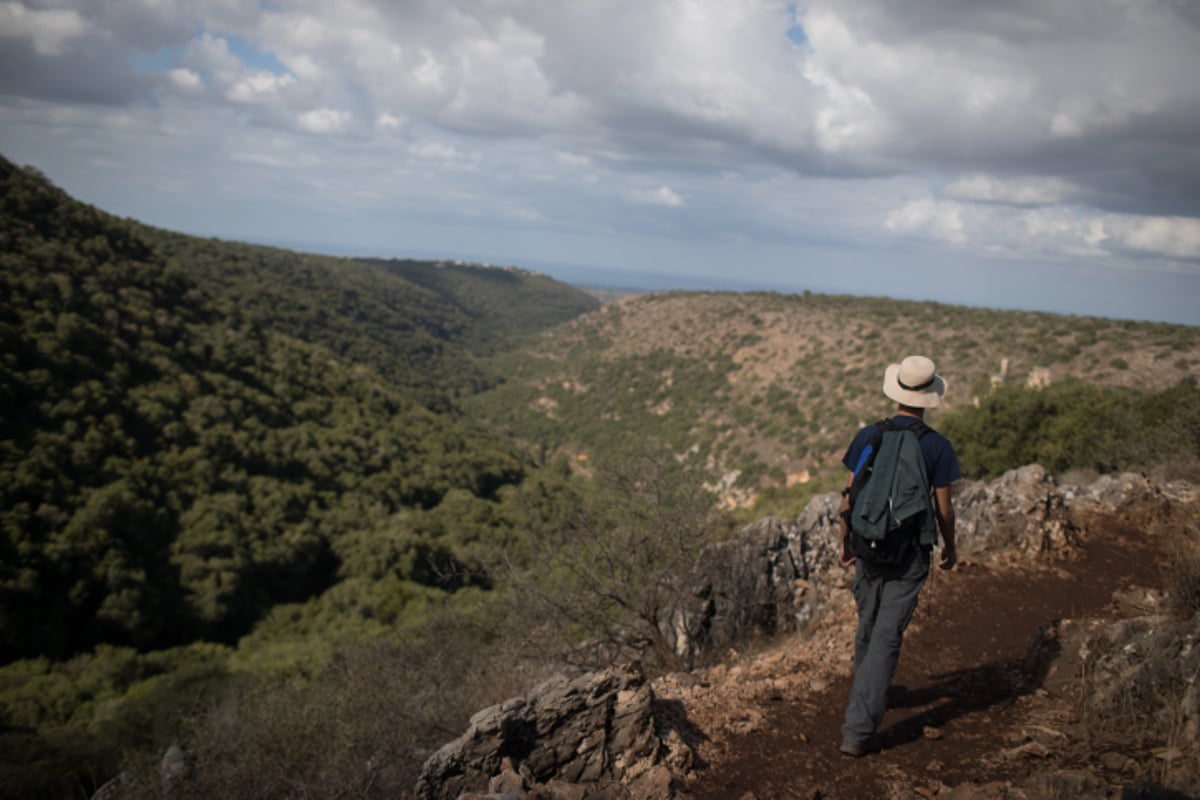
887 598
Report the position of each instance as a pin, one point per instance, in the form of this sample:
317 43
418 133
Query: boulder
596 732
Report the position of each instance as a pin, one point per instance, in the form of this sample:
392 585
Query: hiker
886 594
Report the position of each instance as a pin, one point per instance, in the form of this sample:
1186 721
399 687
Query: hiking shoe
860 749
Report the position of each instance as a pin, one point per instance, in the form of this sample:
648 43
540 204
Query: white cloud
1021 191
185 80
1050 231
938 220
662 196
390 122
256 86
324 120
211 54
1175 237
50 30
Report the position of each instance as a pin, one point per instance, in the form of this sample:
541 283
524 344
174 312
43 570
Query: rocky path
960 709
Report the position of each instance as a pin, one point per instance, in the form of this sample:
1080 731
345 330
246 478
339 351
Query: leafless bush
613 581
1135 694
363 729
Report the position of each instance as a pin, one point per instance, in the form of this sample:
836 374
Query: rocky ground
973 714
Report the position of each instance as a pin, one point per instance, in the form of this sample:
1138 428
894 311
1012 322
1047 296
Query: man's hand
848 557
949 556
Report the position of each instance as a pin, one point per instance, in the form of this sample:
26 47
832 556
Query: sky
1032 154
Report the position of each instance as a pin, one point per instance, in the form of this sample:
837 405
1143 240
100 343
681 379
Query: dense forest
237 477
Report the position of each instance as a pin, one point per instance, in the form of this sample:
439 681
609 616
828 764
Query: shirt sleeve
861 440
946 469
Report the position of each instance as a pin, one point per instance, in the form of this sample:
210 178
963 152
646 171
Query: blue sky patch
246 51
163 60
253 57
796 32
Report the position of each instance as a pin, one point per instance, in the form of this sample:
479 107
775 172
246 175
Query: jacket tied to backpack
892 501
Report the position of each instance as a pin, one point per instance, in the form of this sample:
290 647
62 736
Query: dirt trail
959 696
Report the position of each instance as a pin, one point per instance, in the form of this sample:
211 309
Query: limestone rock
173 771
1022 509
596 731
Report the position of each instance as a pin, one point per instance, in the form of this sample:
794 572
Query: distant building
1001 376
1039 378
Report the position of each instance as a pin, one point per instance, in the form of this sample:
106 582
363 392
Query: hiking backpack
900 537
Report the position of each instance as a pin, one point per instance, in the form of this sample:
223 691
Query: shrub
362 729
1073 425
611 580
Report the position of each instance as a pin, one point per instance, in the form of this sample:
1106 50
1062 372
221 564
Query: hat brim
930 397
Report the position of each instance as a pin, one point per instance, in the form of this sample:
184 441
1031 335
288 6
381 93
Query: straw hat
913 383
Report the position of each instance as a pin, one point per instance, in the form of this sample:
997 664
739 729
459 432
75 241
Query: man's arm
945 518
848 557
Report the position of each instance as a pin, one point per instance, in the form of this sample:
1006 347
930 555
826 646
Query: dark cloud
85 73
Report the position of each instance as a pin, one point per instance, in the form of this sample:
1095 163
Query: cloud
1175 237
50 30
1021 191
324 120
1056 129
1045 232
441 155
254 87
390 122
662 196
937 220
185 80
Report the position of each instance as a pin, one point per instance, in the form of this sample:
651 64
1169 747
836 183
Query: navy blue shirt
941 464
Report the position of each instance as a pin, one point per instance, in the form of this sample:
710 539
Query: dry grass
1183 580
363 729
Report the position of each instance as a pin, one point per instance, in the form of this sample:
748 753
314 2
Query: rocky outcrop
591 737
772 578
739 587
777 574
1023 510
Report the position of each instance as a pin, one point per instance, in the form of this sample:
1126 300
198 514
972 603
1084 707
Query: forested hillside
202 439
191 427
766 388
423 326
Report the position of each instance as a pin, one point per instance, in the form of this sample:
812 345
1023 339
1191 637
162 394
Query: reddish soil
959 696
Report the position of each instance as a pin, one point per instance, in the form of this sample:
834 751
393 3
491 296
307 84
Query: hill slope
194 432
767 388
422 325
